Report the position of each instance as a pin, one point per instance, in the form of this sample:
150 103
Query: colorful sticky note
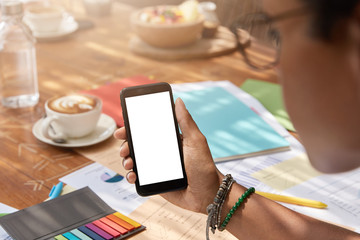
127 219
115 225
80 235
99 231
60 237
70 236
106 228
90 233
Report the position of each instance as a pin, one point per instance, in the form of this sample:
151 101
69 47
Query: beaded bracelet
233 209
214 209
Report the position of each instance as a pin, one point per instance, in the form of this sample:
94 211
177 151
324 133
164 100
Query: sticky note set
77 215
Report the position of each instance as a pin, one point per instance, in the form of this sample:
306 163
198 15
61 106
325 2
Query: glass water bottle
18 70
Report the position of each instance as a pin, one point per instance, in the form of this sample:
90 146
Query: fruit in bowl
168 26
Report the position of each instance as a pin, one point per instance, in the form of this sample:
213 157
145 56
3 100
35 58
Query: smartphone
154 138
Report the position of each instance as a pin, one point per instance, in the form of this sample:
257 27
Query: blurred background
227 10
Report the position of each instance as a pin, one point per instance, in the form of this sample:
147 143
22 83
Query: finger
124 149
128 163
120 133
131 177
186 123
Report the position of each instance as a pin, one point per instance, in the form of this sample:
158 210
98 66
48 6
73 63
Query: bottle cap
9 8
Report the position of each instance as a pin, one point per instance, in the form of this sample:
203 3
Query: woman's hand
203 177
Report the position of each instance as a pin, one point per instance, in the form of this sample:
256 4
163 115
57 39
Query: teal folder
232 129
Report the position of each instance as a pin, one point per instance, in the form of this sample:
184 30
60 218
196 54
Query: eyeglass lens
258 41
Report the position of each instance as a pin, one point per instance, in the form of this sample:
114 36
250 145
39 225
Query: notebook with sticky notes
77 215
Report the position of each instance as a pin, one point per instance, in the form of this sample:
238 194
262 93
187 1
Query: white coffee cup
44 18
71 116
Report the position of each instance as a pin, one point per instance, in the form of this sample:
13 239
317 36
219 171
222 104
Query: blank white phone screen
154 138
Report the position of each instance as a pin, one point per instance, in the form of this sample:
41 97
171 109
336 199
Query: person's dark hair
327 13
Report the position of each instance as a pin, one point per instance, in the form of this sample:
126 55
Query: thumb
186 123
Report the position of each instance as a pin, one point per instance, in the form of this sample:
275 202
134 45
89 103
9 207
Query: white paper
121 196
341 192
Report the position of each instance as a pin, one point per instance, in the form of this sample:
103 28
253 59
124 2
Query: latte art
72 104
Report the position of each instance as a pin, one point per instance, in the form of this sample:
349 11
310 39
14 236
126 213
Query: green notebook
232 129
270 96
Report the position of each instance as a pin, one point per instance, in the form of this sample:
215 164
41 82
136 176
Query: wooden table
88 58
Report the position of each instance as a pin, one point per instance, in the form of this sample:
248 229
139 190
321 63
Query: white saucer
68 26
105 128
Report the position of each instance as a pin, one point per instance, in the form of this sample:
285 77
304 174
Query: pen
293 200
56 190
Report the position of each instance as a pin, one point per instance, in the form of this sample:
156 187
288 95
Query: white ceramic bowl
171 35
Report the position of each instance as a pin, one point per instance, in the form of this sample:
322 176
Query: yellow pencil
293 200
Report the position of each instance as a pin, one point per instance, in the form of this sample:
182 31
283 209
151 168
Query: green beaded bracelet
233 209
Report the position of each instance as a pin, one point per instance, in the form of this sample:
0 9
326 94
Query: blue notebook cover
232 129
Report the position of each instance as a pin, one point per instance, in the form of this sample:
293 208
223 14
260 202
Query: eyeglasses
257 40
